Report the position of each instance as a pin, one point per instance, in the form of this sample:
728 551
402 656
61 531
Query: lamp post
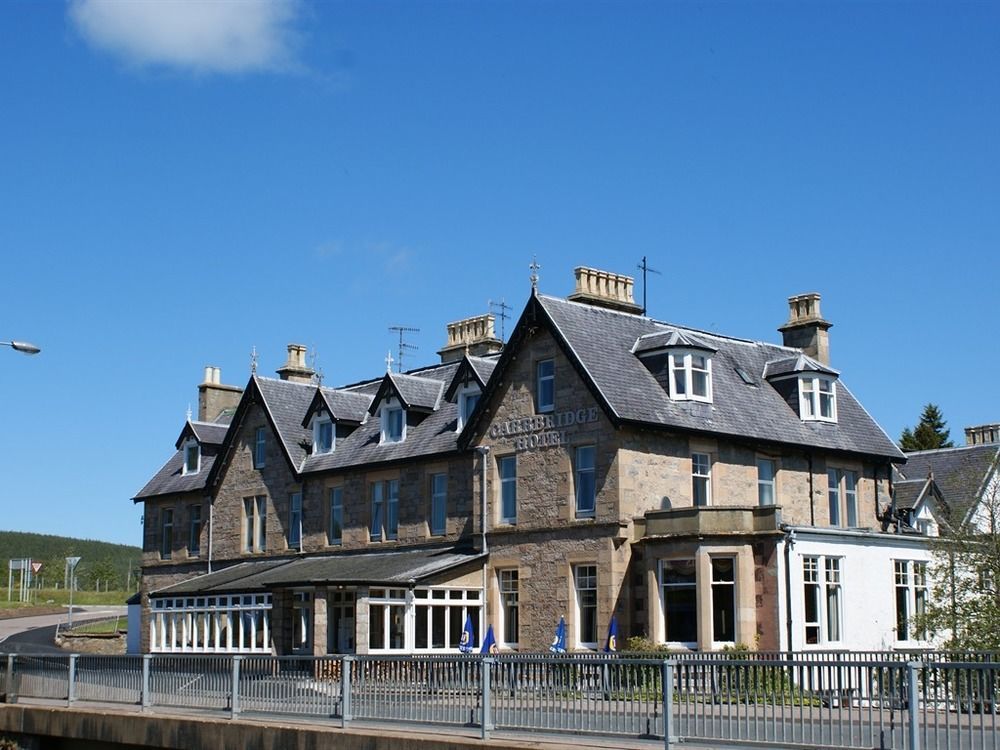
21 346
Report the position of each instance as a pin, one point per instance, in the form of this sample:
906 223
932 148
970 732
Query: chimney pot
984 434
806 329
604 289
475 336
213 397
295 368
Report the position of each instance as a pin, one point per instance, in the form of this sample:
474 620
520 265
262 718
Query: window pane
765 481
375 530
723 599
336 515
392 510
680 610
545 385
586 603
508 489
586 489
833 490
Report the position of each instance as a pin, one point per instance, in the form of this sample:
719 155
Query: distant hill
109 564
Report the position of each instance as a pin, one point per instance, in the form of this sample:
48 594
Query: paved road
36 634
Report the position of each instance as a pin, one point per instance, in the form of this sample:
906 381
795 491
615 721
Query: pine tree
929 434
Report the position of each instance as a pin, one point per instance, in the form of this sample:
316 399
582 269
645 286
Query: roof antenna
403 346
534 273
645 268
253 360
502 307
317 371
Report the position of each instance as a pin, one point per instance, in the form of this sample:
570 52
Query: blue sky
180 183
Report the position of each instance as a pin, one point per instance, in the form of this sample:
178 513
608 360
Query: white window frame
842 497
813 391
910 582
684 363
383 600
302 622
319 422
585 573
767 486
466 395
701 471
509 590
186 468
717 585
502 484
254 523
238 623
387 412
545 406
580 473
826 574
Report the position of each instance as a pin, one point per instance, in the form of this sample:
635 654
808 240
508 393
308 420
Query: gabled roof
796 364
476 369
348 407
961 474
414 392
669 339
434 435
598 342
206 433
171 479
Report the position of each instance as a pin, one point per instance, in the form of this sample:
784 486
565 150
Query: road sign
72 561
35 567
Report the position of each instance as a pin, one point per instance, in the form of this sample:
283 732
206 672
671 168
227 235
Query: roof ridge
994 446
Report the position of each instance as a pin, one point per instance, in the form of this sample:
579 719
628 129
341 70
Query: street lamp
21 346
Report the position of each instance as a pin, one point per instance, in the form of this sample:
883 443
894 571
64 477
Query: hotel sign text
543 430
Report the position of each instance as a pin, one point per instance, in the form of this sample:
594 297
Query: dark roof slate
669 339
395 567
602 340
959 473
434 434
796 364
286 401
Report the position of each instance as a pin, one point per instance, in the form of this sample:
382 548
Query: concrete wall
80 729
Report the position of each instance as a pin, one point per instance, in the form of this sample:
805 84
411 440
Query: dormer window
690 376
324 440
192 457
817 399
467 401
393 422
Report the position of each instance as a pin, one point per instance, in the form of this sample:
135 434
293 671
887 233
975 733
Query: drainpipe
211 524
789 543
484 452
812 493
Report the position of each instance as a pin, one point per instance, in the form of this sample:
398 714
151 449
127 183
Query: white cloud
214 36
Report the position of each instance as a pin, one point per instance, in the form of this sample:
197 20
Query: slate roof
347 406
478 369
669 338
959 473
414 391
286 401
906 493
170 479
484 367
397 567
796 364
601 341
435 434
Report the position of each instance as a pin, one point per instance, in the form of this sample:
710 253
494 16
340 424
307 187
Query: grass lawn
59 597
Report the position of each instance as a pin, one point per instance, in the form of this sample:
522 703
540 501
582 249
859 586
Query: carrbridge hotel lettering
542 430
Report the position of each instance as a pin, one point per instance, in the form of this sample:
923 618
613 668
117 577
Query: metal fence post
345 689
71 680
913 699
667 688
145 698
234 705
487 719
11 689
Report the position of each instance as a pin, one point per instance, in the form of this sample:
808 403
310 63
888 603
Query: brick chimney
295 368
604 289
806 329
475 335
983 434
214 397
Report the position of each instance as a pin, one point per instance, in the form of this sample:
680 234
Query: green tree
930 433
964 607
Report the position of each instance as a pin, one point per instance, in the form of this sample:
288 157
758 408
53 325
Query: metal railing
832 699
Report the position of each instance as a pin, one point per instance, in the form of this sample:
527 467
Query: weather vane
534 272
